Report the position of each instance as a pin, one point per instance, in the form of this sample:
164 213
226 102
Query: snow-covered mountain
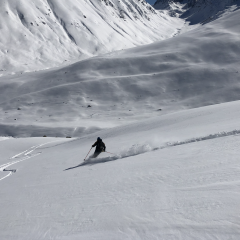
37 34
194 69
196 11
171 169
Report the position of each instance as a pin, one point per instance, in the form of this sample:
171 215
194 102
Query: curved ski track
20 157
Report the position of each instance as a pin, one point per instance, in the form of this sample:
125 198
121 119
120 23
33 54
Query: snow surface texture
174 176
39 34
197 11
150 189
194 69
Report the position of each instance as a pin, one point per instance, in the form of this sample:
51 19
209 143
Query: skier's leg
95 154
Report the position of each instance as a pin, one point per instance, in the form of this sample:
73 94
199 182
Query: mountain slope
37 34
172 177
197 68
197 11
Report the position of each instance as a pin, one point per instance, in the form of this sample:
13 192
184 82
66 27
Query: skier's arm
94 145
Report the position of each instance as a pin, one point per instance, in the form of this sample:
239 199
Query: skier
100 147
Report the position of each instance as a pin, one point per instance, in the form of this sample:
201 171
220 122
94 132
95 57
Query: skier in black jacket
100 147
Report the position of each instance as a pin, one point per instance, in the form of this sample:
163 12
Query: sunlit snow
167 111
38 34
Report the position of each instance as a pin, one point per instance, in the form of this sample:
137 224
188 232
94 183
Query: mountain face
197 11
37 34
197 68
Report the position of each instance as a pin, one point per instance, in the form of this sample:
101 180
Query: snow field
150 190
171 170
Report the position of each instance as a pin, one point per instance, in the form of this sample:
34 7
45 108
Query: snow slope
197 11
39 34
194 69
172 177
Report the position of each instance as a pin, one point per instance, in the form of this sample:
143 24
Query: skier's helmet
99 139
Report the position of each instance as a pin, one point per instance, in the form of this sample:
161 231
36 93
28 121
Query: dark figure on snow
100 147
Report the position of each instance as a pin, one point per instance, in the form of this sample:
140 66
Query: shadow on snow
93 161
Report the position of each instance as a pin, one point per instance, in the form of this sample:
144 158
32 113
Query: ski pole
87 154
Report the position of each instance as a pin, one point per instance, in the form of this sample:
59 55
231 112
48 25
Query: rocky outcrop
197 11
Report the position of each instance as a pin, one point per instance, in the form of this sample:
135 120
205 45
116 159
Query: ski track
136 149
143 148
25 155
199 139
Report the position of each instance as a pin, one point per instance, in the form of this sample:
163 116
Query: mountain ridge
196 11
